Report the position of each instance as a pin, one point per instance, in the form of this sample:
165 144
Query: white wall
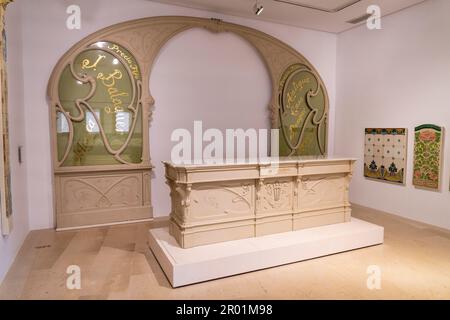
396 77
10 245
225 102
233 90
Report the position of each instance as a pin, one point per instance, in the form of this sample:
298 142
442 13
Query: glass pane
303 116
122 122
62 126
62 130
100 94
91 122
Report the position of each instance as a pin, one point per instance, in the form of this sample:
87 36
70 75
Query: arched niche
218 78
115 187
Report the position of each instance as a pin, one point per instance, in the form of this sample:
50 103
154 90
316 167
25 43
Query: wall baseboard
400 218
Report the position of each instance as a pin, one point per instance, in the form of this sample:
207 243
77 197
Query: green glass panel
110 116
302 115
133 151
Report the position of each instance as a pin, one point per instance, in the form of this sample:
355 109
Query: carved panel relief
276 195
100 192
320 192
225 200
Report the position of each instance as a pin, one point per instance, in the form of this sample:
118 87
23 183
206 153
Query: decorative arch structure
100 109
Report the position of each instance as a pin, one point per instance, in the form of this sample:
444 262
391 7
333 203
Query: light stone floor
116 263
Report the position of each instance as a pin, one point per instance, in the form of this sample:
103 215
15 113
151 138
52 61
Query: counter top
258 162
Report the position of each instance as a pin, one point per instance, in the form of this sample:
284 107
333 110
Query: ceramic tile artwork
385 154
427 156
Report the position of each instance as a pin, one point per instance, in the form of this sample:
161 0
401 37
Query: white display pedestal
208 262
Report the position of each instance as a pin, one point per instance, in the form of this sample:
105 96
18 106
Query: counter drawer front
341 167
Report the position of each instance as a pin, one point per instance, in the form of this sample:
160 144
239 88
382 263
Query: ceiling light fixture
360 19
258 8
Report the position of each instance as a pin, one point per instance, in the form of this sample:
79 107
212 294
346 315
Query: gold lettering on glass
86 62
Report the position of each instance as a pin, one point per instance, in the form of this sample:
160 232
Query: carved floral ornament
103 93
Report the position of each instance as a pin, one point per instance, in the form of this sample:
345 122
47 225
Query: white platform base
188 266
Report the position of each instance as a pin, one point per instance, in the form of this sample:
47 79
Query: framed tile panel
428 142
385 154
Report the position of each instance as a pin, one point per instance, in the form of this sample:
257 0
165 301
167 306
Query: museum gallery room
225 150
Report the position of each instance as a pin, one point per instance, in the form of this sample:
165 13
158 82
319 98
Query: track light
258 9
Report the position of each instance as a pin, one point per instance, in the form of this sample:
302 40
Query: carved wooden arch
144 38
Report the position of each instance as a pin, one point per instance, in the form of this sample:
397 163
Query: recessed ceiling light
328 9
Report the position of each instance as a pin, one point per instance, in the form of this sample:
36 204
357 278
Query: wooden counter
221 202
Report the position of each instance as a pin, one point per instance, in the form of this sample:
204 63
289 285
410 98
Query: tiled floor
116 263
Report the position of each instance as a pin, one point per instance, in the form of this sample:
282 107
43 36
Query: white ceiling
324 15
